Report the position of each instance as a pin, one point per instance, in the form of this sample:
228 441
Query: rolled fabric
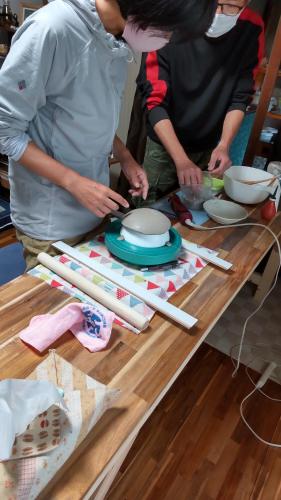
94 291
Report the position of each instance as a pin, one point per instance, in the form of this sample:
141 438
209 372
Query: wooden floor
7 237
196 447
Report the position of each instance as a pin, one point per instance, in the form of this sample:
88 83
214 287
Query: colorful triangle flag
151 286
178 283
147 274
92 243
171 287
63 259
120 294
160 279
74 266
147 312
185 275
104 260
169 273
192 270
139 279
97 280
162 294
55 284
134 302
118 321
199 264
84 272
116 266
126 272
94 254
44 277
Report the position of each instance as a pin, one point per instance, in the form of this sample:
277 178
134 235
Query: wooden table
144 367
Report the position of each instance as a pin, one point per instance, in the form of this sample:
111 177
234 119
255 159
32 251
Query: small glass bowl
195 194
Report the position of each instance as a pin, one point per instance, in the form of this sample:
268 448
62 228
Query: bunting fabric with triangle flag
163 283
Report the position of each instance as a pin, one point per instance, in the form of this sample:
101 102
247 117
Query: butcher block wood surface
143 366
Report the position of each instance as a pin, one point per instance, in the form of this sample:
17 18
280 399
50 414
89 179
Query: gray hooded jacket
60 87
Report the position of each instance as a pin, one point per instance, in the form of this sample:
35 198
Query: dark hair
185 18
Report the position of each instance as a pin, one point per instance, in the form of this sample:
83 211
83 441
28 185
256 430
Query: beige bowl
225 212
245 193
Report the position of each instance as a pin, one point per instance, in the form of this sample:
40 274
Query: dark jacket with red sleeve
196 83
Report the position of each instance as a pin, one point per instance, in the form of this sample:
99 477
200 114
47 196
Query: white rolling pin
94 291
169 310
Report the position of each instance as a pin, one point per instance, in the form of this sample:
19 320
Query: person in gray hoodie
61 88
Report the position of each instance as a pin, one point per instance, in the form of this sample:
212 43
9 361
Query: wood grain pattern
7 237
195 447
144 367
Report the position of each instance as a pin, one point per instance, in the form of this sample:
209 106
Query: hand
219 161
97 198
137 178
188 173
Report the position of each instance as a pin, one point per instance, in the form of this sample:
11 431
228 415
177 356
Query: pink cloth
89 325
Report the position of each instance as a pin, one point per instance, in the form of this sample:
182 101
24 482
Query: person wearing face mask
60 95
195 96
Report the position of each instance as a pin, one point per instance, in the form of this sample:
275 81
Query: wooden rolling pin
94 291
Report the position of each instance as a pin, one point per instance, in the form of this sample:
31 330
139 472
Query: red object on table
180 209
268 211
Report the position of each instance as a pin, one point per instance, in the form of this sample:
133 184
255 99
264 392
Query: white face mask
221 25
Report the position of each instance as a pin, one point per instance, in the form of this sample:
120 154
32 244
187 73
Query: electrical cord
257 309
257 387
277 400
268 443
264 377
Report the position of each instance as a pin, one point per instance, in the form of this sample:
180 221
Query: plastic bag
20 402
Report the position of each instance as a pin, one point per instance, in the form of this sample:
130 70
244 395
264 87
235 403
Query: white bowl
145 240
245 193
225 212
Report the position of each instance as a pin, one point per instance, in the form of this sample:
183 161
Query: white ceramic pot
245 193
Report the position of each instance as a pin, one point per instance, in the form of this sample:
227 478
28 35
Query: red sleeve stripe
159 87
255 18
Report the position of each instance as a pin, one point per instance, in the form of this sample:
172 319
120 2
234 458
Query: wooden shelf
275 116
270 72
263 70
